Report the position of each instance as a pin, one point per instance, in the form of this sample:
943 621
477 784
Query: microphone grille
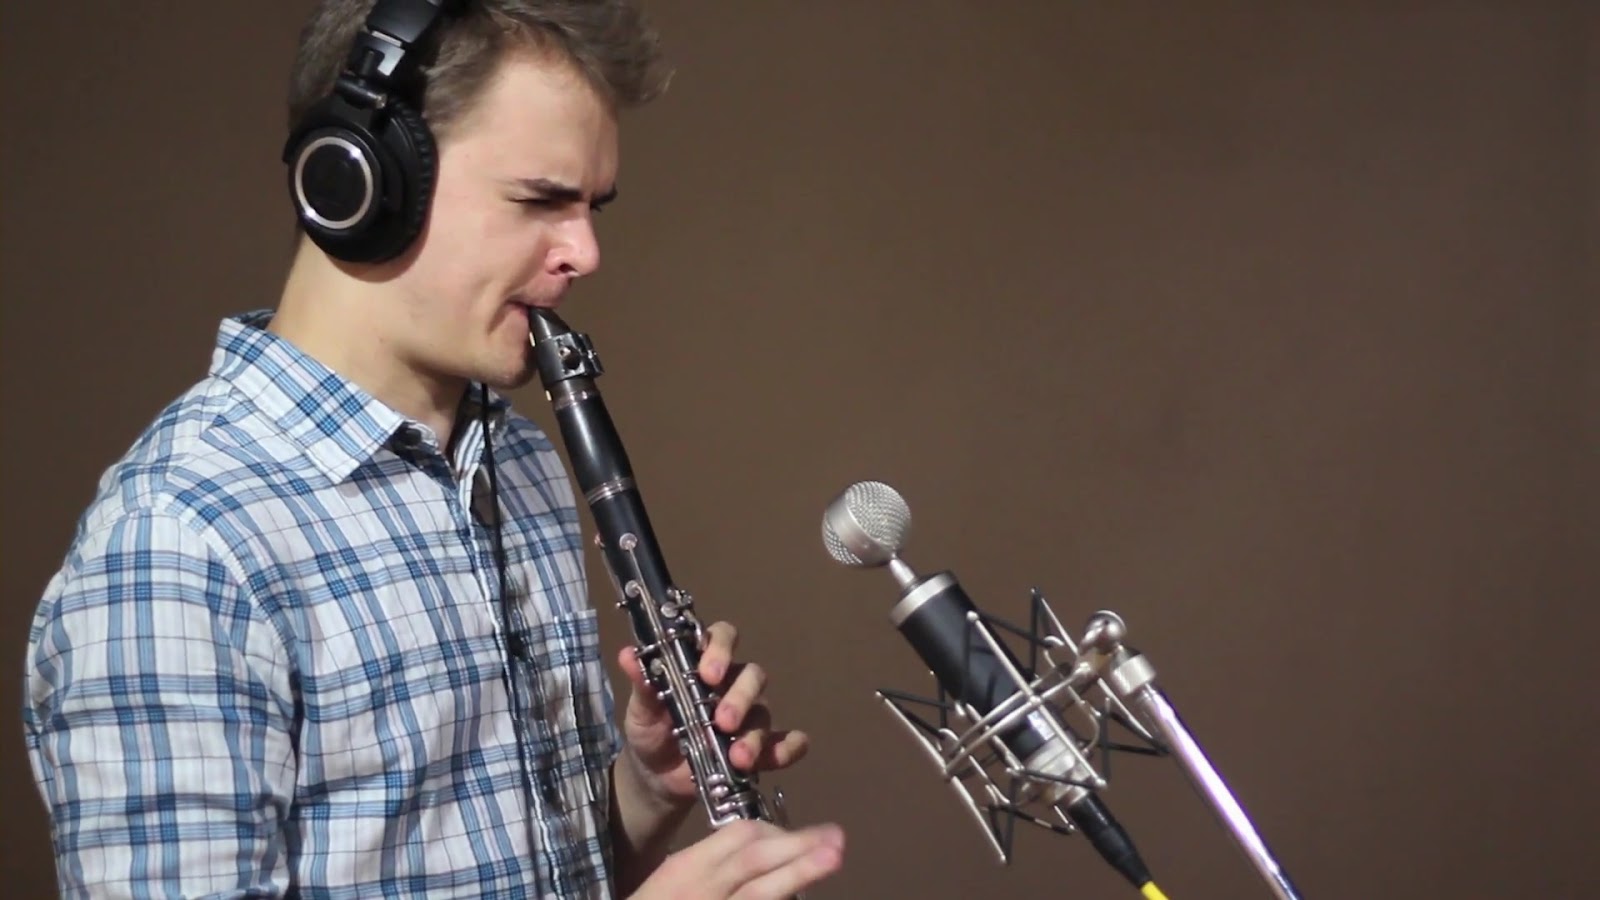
866 525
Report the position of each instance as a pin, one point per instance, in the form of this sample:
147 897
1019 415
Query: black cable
516 647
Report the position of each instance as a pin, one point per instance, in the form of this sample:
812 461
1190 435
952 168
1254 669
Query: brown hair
608 42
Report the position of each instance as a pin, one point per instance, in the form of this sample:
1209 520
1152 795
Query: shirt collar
337 424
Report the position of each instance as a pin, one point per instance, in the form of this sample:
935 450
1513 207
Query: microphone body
934 617
939 621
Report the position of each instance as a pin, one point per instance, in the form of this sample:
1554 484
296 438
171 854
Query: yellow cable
1151 892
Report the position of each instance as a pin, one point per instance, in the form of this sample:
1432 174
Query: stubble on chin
510 376
514 380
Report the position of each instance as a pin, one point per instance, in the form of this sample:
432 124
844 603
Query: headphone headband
385 49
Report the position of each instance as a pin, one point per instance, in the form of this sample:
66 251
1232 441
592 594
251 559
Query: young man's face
511 225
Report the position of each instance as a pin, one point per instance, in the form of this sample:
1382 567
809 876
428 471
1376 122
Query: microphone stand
1130 677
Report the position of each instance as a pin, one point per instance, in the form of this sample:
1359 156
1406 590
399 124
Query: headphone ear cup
360 188
411 142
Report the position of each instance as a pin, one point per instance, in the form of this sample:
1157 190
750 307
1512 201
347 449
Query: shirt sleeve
159 721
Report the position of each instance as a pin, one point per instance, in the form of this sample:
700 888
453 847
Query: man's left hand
647 723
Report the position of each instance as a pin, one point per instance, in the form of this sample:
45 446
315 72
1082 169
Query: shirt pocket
571 715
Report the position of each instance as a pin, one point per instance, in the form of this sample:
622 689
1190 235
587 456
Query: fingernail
825 855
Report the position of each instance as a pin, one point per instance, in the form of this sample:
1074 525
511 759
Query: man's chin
510 381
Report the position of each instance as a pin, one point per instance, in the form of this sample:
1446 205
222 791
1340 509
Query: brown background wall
1270 326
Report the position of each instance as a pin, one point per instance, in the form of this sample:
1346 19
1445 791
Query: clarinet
668 636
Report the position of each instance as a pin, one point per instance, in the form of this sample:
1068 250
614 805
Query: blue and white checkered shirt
272 664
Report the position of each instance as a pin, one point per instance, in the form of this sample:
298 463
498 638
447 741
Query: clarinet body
667 632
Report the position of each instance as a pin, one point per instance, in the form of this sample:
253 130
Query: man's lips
546 303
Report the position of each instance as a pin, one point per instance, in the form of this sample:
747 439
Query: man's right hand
748 860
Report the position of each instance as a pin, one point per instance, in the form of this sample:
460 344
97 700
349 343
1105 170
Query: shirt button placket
476 495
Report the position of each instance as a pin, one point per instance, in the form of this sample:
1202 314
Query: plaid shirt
272 664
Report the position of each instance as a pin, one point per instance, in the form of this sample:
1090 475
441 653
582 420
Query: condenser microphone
867 525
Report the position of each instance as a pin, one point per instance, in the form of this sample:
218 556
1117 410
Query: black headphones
361 161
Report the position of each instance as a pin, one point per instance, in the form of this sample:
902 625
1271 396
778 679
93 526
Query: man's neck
338 320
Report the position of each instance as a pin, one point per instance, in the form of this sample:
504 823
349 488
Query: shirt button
408 437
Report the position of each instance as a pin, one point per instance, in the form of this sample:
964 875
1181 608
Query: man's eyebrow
564 193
